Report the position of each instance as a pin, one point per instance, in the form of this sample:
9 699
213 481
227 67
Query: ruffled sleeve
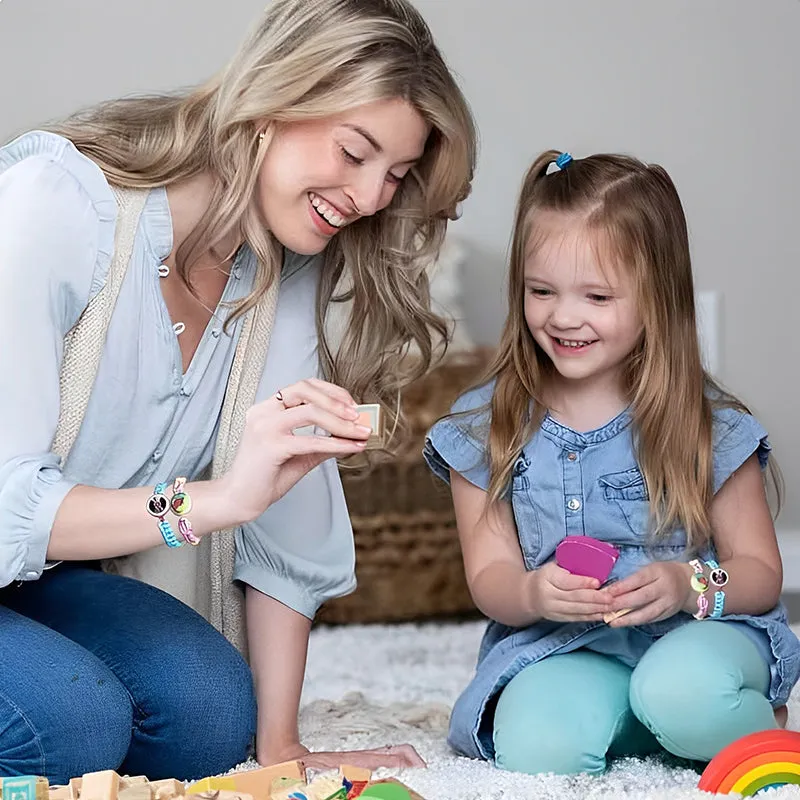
458 441
57 220
736 436
300 551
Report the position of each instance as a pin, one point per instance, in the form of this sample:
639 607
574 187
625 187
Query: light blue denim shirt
147 421
569 483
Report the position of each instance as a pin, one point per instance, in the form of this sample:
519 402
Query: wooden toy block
759 761
103 785
610 616
356 789
225 783
279 784
131 780
136 791
339 794
327 786
297 792
371 416
221 794
59 793
75 788
24 787
389 789
167 787
355 774
258 782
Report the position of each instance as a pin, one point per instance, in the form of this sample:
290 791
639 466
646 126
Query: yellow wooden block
59 793
225 783
102 785
75 788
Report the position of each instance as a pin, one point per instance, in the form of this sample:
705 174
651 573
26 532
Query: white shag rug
367 686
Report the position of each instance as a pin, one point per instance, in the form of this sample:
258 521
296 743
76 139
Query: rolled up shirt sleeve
300 551
55 241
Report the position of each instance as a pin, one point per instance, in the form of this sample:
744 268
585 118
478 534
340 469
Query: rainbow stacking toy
754 763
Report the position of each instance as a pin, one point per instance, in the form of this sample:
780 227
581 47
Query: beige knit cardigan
209 566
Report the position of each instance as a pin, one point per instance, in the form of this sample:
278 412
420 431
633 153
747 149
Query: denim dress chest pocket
627 501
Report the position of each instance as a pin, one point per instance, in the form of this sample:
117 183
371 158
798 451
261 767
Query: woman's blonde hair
310 59
634 219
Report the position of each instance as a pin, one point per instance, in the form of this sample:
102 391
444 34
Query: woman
329 153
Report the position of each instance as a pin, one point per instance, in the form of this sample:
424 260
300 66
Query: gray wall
708 89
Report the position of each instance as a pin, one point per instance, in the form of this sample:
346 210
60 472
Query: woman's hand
560 596
655 592
397 756
271 458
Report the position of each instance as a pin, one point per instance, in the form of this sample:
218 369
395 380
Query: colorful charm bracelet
181 505
699 583
157 506
719 578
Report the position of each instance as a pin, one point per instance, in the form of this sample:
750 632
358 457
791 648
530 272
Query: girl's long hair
634 219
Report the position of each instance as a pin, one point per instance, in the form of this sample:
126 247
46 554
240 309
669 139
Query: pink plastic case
584 555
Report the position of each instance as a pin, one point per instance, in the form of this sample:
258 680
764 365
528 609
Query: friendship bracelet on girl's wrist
157 506
719 578
181 505
699 583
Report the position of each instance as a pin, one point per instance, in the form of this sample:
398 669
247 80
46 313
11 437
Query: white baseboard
789 543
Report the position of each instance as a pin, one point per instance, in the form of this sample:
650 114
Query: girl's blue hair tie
563 160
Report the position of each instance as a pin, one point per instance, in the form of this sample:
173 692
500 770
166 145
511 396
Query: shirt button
215 333
185 392
156 455
574 504
572 456
31 576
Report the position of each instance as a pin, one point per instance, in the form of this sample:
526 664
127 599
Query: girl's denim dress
568 483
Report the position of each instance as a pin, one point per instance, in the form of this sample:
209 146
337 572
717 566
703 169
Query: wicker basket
408 559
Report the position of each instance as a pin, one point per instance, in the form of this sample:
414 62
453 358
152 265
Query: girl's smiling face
582 314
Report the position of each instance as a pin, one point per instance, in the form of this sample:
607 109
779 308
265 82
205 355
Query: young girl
599 420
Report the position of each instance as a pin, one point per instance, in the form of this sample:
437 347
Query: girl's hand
271 458
655 592
396 756
560 596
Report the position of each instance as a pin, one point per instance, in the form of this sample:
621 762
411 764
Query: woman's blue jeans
102 672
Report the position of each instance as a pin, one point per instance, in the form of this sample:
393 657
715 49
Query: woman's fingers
321 393
323 446
305 415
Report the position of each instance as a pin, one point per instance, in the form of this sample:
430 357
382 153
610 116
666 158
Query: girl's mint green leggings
696 689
